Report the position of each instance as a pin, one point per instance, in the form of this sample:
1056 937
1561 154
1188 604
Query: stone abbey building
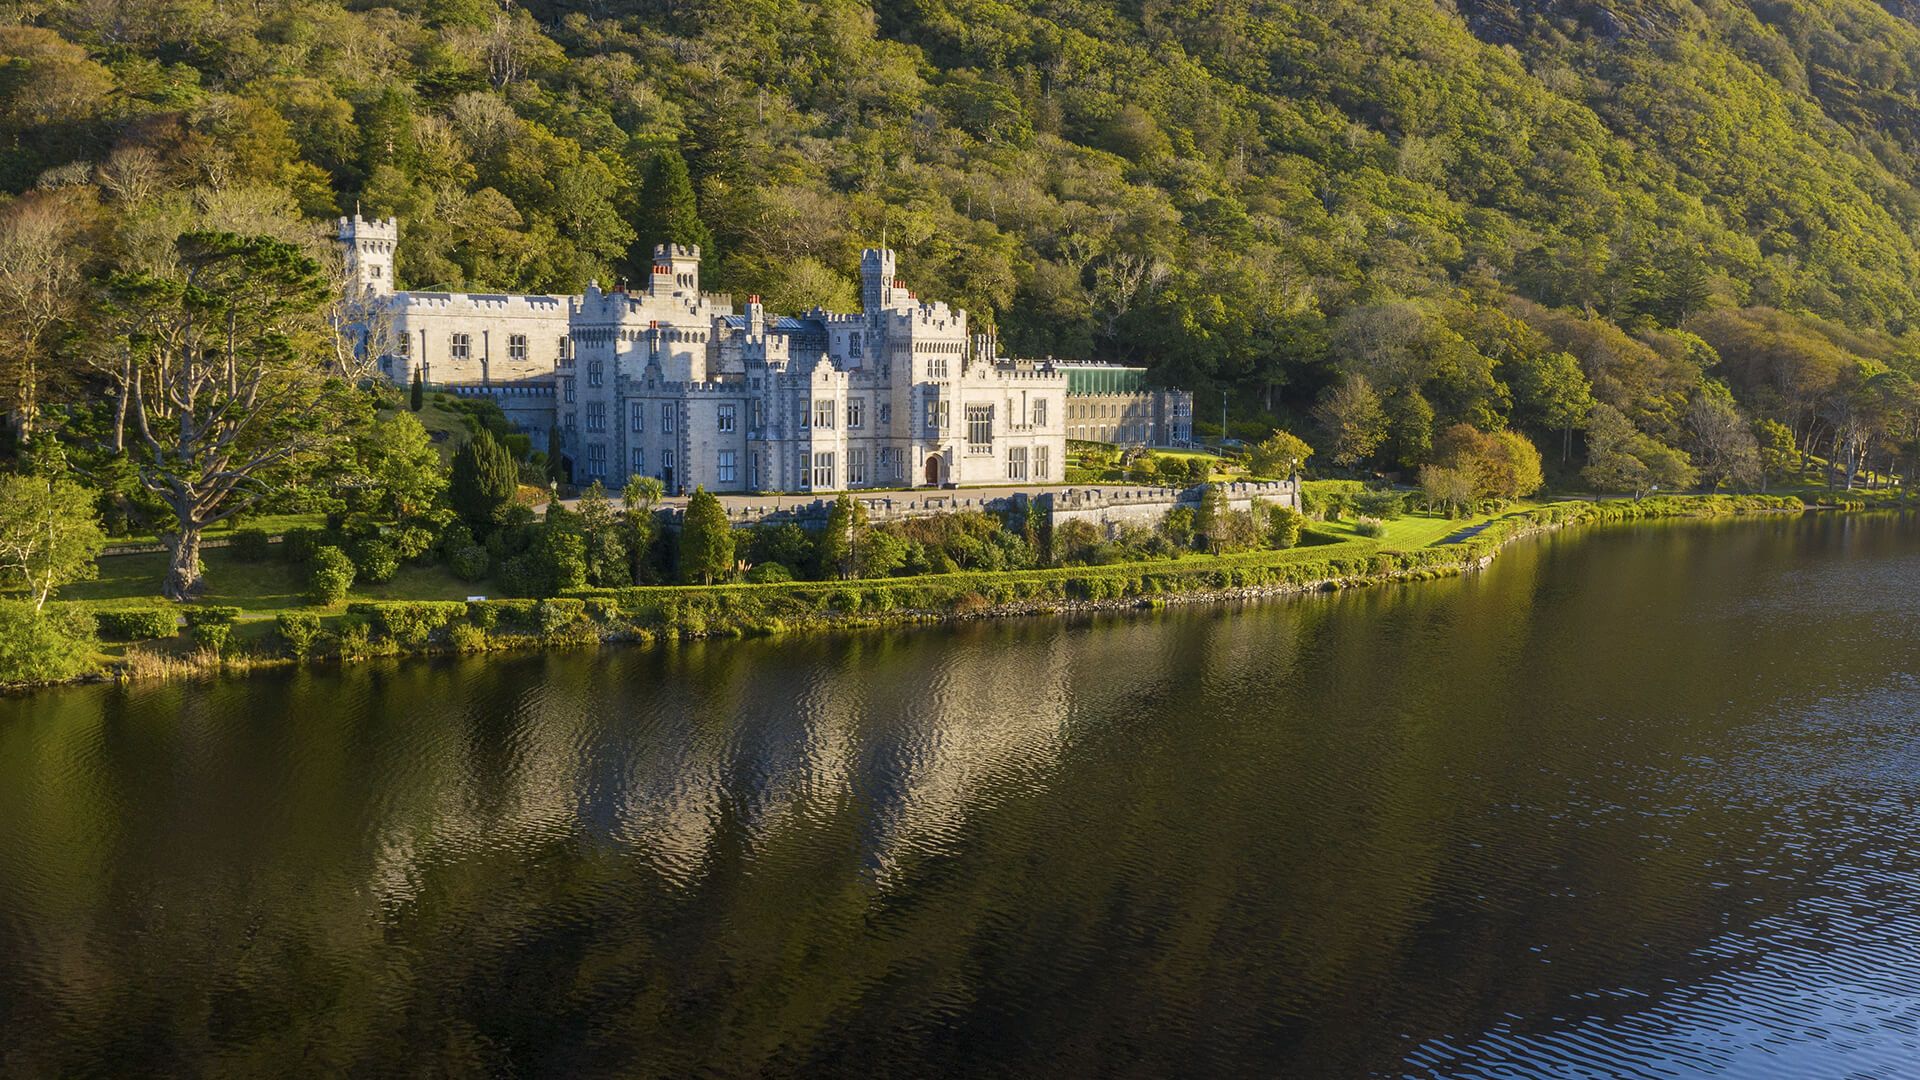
668 381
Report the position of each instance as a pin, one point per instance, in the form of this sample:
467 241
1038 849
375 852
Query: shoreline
652 614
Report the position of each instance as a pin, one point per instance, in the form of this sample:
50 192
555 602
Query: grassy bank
423 614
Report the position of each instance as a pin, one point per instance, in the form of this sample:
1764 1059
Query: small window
596 373
639 461
566 390
596 416
597 460
856 466
728 469
460 347
1040 412
1016 463
856 417
886 413
517 347
666 418
823 470
726 418
637 416
404 346
1042 462
823 413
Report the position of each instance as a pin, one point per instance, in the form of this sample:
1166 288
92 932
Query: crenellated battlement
489 303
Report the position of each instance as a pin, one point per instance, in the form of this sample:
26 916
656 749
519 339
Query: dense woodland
1673 240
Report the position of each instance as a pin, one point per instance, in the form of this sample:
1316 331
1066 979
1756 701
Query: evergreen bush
329 576
137 624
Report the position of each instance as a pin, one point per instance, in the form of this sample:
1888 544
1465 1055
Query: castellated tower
878 287
676 269
369 248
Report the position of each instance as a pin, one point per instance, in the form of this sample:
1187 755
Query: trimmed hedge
137 624
211 615
408 622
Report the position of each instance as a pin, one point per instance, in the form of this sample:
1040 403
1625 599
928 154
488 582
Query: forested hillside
1634 227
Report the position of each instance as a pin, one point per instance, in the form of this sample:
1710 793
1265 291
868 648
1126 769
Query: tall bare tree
40 277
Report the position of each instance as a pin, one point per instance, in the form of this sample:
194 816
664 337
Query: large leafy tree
706 540
228 395
1351 415
49 535
843 543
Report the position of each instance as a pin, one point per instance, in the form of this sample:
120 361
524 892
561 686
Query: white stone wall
496 327
1108 510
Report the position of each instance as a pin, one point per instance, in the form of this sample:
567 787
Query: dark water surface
1632 803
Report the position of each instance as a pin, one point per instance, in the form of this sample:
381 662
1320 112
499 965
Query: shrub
1382 504
250 545
216 637
520 576
483 614
137 624
452 538
467 638
408 622
352 640
211 615
375 561
1283 527
411 542
470 563
769 572
299 630
329 577
298 545
1369 526
553 616
44 646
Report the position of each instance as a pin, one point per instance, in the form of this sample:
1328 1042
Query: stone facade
665 380
1107 509
1114 404
1110 510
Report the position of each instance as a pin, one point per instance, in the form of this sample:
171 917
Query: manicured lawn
1419 530
447 427
257 588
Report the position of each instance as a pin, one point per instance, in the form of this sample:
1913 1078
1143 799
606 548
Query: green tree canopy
483 482
706 540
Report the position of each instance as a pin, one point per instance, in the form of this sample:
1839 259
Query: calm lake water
1632 803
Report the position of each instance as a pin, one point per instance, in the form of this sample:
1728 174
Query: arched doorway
933 470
